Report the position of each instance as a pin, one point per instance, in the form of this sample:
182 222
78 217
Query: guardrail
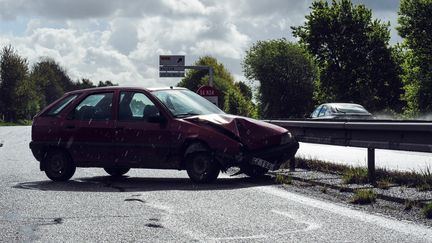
372 134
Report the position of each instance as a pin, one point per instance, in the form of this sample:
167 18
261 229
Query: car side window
323 111
316 111
55 110
94 107
134 106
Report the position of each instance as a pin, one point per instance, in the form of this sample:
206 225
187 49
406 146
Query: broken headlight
287 138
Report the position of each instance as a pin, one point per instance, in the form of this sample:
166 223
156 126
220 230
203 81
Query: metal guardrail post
371 165
292 164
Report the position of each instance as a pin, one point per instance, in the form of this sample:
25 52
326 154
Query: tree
51 80
286 74
224 82
17 97
415 26
355 61
106 83
245 90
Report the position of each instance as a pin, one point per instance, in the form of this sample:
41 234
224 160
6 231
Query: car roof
342 104
108 88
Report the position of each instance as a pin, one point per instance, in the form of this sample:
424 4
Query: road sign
210 93
171 60
171 74
171 68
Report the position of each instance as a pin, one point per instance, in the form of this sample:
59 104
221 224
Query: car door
142 137
88 130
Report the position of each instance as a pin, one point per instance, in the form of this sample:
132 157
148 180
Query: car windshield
350 108
184 103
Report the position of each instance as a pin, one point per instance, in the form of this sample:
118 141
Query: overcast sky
121 40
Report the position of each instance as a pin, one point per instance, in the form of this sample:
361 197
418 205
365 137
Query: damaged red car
118 128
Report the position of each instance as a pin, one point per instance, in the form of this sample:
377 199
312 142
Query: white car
341 111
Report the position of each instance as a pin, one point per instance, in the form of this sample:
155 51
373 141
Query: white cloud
121 40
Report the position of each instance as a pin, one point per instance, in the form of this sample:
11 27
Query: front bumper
272 158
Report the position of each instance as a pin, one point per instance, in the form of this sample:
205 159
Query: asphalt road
164 206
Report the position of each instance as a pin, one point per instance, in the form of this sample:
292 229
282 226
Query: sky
121 40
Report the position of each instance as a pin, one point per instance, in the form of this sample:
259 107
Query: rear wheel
58 166
254 171
202 168
117 171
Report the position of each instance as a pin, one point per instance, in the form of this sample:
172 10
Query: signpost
209 93
171 66
174 66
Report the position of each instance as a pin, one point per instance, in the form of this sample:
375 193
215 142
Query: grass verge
18 123
421 180
427 210
364 196
283 179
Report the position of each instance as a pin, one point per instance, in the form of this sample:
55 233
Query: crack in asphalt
134 199
151 225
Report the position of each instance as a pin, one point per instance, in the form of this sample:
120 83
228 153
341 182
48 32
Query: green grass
384 183
17 123
283 179
427 210
355 175
421 180
364 196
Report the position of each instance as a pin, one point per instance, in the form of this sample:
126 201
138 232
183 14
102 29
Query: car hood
254 134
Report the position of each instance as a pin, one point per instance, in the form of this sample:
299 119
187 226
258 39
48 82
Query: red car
118 128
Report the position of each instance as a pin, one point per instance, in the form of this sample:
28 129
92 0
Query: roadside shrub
364 196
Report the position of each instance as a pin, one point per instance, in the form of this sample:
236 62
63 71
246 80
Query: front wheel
116 172
202 168
58 166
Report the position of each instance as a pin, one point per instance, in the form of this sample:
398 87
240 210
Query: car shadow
139 184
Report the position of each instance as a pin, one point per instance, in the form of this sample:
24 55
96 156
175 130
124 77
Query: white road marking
408 228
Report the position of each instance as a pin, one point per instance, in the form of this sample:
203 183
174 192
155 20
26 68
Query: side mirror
157 119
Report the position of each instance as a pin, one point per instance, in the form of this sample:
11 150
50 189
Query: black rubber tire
116 172
202 168
58 165
254 171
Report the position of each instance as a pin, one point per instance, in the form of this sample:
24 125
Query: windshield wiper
186 114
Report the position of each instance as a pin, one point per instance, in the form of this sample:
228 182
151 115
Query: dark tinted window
61 105
95 107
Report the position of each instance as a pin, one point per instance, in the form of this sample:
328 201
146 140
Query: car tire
116 172
58 166
202 168
254 171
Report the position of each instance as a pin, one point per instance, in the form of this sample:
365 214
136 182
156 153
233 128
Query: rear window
55 110
350 109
